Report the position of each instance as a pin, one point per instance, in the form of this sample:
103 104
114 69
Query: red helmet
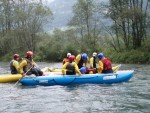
71 57
16 56
29 54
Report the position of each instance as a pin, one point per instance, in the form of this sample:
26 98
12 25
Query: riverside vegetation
119 29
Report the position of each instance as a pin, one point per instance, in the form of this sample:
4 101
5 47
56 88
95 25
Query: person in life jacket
93 62
71 67
82 59
14 64
105 65
28 66
67 58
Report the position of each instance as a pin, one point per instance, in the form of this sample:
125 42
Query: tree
21 23
130 19
86 20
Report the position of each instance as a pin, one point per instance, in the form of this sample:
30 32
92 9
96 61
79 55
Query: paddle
116 68
22 76
45 69
54 70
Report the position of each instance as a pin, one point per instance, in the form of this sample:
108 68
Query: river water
130 97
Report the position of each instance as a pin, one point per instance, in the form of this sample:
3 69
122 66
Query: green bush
132 56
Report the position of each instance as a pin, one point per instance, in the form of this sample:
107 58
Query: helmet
94 54
83 70
100 55
84 56
29 54
68 54
16 56
71 57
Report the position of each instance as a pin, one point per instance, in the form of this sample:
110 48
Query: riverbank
125 57
129 57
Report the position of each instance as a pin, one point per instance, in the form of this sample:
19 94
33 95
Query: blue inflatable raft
56 79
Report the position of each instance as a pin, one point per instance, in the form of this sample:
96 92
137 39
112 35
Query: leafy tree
21 23
130 18
86 20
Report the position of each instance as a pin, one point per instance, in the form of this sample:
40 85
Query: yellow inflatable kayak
9 78
5 78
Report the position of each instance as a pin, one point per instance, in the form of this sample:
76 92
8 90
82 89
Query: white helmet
94 54
68 54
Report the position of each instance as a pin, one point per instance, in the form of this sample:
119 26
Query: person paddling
71 67
29 66
105 65
14 64
93 62
82 59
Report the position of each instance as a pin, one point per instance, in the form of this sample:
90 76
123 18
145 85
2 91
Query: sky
50 1
62 12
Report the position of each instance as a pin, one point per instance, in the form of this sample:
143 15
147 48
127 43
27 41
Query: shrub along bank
126 57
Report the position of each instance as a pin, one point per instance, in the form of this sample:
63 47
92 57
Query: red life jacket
107 64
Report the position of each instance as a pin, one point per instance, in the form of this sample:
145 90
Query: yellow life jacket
12 68
28 66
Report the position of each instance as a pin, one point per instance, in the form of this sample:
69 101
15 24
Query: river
130 97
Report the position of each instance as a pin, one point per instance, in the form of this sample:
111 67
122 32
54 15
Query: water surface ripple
130 97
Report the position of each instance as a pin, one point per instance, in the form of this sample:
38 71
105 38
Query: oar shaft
22 76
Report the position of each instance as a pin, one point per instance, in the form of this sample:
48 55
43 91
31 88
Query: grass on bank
127 57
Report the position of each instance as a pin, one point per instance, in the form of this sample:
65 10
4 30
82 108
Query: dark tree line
119 24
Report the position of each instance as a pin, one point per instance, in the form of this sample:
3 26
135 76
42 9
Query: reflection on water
130 97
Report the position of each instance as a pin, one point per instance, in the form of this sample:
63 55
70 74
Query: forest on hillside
119 29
